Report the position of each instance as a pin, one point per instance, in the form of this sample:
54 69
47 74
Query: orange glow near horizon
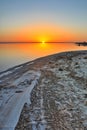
38 33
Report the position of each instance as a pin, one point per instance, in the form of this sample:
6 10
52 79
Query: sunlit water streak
14 54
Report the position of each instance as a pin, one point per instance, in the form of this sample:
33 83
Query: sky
43 20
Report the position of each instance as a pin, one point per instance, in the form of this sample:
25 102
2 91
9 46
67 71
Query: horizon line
41 42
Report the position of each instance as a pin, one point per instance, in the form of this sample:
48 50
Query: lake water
18 53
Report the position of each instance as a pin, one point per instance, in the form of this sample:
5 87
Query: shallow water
18 53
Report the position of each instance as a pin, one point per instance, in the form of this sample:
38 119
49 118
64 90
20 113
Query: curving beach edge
49 93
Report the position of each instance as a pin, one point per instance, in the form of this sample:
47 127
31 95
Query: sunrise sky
43 20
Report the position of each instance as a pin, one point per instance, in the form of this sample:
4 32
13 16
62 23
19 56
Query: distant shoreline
77 43
81 43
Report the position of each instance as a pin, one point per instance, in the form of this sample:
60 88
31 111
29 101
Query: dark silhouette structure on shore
81 43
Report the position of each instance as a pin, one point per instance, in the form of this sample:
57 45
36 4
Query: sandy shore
58 98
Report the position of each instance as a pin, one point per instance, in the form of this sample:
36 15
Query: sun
43 42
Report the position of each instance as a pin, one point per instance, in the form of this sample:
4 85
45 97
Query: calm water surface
14 54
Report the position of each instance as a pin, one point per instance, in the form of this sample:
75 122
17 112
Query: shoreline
44 57
57 93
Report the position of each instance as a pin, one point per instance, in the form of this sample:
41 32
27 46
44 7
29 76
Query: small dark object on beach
85 95
60 69
20 91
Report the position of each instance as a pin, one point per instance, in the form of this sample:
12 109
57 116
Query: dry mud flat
59 100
